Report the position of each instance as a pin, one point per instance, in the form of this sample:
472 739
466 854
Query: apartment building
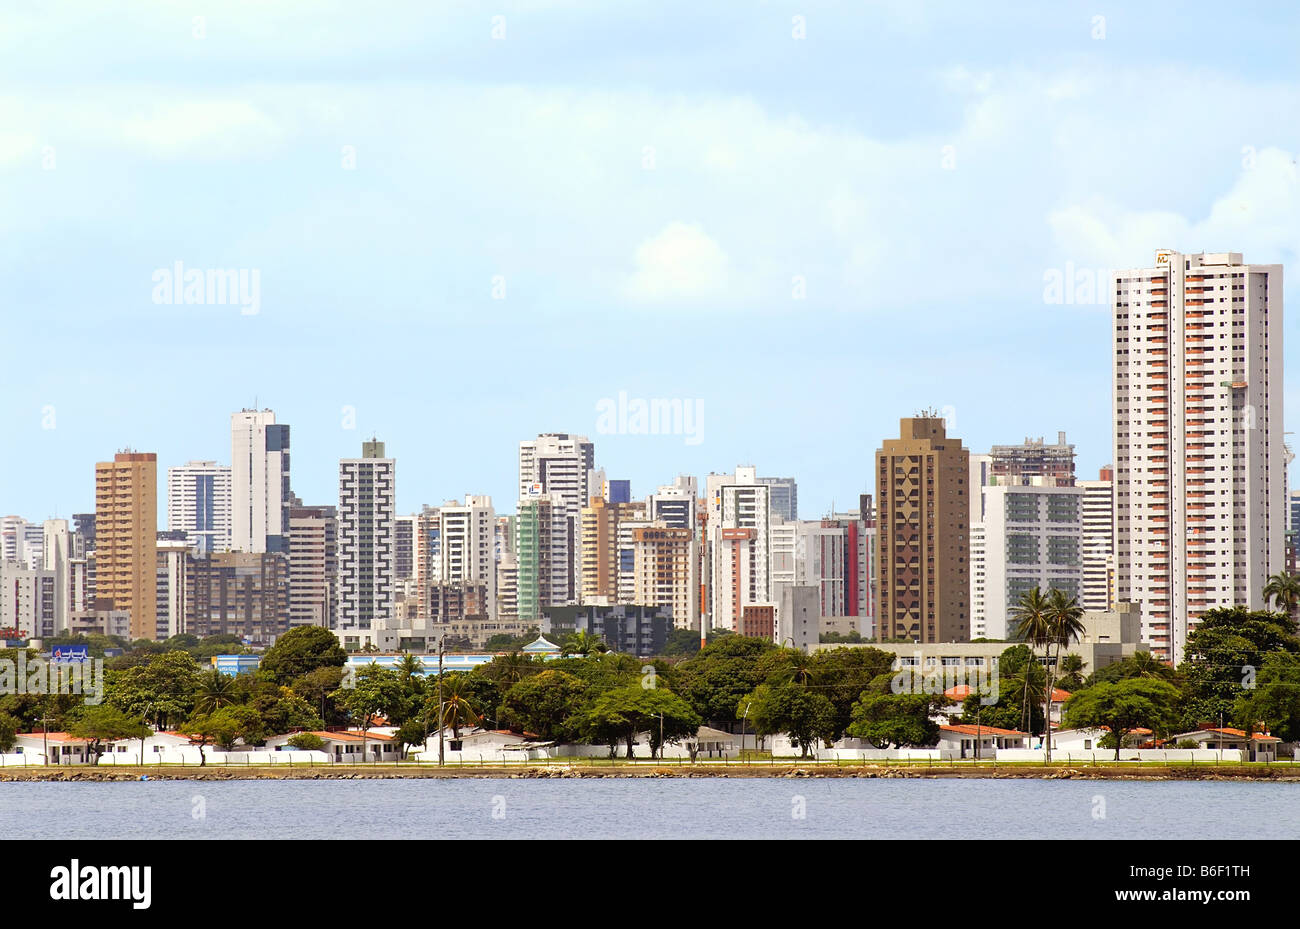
259 482
739 544
1098 594
923 512
126 531
313 566
1199 454
199 504
367 500
1031 537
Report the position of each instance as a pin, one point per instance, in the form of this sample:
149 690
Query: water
697 808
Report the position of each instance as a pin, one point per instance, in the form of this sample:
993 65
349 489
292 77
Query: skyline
647 199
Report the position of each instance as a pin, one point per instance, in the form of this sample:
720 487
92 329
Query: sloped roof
540 644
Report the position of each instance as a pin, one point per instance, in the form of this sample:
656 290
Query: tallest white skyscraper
1199 456
259 482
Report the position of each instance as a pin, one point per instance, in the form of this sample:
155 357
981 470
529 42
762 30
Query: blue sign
77 653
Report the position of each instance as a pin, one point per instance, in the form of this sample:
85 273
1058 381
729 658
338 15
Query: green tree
1019 699
1275 699
307 742
1122 707
1225 650
300 651
1139 664
8 732
582 643
1071 669
634 709
458 710
843 674
162 690
317 689
412 732
508 670
105 723
1283 590
214 690
681 642
898 720
801 713
1048 621
544 704
376 691
720 674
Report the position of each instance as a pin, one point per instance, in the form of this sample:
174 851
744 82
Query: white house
965 739
348 747
1260 746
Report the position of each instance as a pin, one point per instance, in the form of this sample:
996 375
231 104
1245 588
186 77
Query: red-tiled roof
958 692
963 729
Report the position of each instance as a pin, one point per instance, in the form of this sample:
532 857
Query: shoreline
74 774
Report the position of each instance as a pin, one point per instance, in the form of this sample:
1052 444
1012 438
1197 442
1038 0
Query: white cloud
680 263
1256 217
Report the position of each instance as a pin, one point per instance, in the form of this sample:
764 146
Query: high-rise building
259 488
238 593
560 465
126 532
1031 537
1034 462
1098 594
507 607
541 541
663 572
56 554
313 566
1199 455
199 503
675 504
367 501
784 497
739 543
923 513
467 550
27 599
172 577
404 547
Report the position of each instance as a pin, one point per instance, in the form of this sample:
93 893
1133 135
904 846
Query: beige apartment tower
923 513
1199 456
126 533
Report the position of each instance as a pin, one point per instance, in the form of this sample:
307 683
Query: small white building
966 740
347 747
1259 746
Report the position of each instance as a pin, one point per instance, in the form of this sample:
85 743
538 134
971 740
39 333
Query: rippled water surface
700 808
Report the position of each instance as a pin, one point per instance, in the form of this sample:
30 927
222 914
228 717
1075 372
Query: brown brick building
923 512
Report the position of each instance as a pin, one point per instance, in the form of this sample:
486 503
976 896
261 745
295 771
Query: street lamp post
440 726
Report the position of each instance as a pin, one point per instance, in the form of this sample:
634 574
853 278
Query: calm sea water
697 808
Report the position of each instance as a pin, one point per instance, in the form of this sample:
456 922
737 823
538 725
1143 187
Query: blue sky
651 183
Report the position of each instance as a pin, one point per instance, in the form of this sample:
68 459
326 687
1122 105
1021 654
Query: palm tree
215 691
801 668
409 667
456 708
1065 617
1145 664
583 644
509 669
1283 589
1034 627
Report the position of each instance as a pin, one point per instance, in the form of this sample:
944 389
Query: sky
469 223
